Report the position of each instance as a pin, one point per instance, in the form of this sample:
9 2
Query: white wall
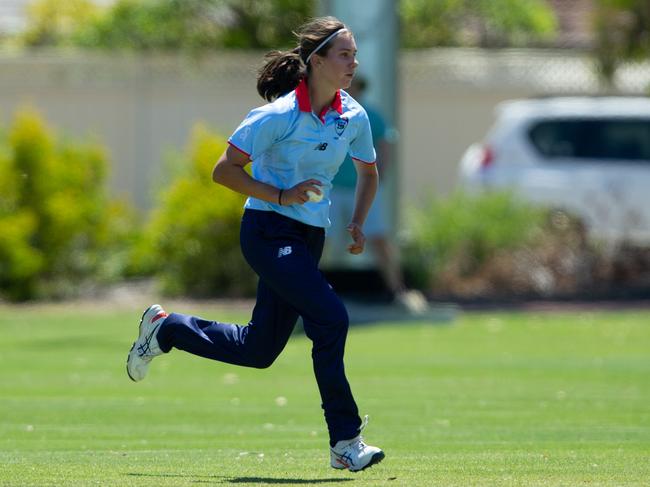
144 108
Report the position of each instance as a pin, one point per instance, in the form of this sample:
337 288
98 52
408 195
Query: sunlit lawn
489 399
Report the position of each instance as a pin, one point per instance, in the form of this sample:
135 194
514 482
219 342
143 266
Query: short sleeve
361 148
256 133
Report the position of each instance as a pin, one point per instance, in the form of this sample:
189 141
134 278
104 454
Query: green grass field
553 399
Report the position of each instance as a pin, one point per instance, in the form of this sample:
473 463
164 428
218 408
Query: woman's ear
316 61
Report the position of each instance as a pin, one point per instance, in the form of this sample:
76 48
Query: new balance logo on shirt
282 251
322 146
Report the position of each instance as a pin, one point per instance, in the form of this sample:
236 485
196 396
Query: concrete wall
144 108
140 109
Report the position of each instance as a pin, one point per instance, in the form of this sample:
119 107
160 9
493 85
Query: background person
376 228
296 143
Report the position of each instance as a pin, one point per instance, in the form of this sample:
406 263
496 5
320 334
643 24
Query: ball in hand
313 196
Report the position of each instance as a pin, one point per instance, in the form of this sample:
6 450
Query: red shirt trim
239 150
365 162
302 95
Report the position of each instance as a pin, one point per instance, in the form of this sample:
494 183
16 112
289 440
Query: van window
612 138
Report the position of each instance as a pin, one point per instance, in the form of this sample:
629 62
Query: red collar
302 95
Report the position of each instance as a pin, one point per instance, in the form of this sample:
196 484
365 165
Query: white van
587 155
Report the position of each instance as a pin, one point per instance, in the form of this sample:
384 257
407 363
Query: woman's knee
332 324
262 361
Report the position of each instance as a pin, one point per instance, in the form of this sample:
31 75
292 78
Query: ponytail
280 74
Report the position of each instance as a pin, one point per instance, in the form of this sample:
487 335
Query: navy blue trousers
284 253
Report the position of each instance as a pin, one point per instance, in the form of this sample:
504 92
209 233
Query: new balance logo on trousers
282 251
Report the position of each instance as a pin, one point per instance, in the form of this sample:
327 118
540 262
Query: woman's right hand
298 194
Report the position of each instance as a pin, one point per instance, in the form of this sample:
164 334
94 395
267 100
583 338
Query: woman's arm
229 171
367 181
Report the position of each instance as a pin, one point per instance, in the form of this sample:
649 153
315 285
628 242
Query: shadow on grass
267 480
242 480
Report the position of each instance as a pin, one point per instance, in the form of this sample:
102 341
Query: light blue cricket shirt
288 143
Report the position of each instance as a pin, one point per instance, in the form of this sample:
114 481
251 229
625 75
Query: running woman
296 143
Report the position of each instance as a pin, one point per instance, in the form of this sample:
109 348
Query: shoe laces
144 350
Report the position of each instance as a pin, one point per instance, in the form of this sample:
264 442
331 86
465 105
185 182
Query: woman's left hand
358 238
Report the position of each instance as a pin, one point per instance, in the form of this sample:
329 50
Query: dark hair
283 70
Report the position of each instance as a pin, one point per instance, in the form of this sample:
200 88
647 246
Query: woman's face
337 67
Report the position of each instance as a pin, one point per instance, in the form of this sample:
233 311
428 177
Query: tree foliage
264 24
167 25
622 33
52 22
154 25
484 23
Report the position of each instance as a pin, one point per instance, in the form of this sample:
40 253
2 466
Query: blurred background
112 114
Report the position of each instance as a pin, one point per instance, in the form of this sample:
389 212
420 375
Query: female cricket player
296 143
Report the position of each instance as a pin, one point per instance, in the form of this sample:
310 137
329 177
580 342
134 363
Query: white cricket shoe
413 301
354 454
146 347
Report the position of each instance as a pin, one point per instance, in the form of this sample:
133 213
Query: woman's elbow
370 172
217 172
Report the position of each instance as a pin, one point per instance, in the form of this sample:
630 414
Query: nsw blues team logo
243 135
340 125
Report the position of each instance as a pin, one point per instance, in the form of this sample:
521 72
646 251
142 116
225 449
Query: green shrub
465 231
58 229
19 259
193 236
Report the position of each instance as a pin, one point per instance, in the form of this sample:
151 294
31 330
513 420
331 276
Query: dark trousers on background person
284 253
